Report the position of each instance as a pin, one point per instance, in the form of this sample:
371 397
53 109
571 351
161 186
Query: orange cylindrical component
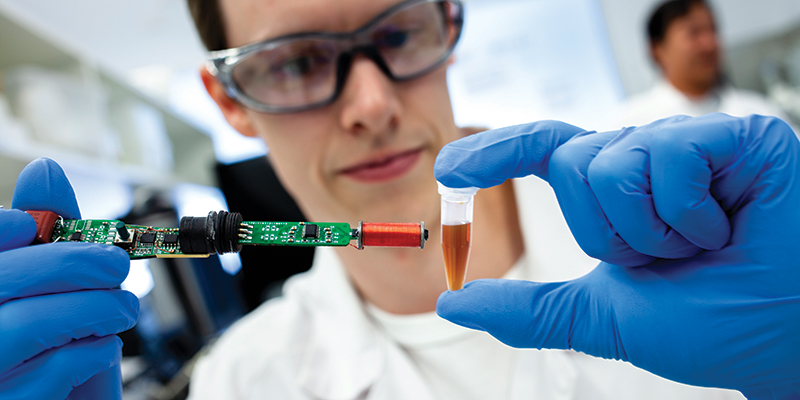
392 234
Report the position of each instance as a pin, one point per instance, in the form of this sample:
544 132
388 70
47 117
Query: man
361 324
685 47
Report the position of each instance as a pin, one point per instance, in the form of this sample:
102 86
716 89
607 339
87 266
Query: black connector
216 233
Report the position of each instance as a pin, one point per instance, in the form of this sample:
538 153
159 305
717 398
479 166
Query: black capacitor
122 231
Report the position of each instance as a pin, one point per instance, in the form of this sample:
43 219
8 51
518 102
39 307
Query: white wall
121 36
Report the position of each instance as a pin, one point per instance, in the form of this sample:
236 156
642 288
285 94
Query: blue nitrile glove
58 315
720 195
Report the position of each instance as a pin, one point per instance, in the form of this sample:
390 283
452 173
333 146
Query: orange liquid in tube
456 243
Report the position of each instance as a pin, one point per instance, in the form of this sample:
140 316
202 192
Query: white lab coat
317 342
663 100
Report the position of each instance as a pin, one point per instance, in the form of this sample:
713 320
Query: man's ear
233 111
655 53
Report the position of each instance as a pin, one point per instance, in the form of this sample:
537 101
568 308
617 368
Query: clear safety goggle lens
308 70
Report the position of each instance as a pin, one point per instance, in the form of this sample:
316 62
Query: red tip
45 223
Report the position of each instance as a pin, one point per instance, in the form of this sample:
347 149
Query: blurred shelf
24 43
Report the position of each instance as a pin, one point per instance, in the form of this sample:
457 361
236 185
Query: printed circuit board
222 232
149 241
296 233
142 242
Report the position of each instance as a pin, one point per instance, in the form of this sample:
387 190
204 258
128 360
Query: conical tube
456 232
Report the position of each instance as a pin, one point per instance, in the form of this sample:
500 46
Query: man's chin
395 205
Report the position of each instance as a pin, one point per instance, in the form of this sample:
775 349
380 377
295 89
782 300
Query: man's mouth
383 168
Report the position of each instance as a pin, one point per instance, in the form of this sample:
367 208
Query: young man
685 47
351 98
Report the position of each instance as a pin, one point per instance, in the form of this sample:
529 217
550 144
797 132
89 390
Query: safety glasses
302 71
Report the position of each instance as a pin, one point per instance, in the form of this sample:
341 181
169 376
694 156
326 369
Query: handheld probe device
222 232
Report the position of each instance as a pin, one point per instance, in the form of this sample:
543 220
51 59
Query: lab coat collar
344 356
709 101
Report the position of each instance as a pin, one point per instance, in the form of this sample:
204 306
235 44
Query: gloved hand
58 313
699 222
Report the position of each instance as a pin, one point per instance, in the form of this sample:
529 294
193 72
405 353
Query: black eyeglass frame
222 62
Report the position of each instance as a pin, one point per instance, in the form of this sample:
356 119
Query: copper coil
373 234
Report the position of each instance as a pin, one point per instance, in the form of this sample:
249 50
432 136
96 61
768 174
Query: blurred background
110 90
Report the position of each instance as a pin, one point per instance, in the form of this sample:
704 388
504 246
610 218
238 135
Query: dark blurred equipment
252 189
191 301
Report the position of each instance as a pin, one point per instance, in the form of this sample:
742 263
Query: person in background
685 46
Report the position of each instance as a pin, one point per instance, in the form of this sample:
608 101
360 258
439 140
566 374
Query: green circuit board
144 241
297 233
158 242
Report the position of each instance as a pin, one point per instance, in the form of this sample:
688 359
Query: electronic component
147 238
391 235
123 242
216 233
45 223
122 231
223 232
310 231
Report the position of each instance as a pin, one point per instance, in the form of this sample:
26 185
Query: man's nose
709 41
370 103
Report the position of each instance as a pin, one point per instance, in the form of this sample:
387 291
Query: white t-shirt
446 353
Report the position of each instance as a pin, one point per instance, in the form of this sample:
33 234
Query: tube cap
456 194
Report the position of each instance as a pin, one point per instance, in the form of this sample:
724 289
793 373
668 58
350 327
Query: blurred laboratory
111 91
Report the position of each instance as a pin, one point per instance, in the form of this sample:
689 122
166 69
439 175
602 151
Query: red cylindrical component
392 234
45 223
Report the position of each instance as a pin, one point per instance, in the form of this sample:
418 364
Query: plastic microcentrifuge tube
456 232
